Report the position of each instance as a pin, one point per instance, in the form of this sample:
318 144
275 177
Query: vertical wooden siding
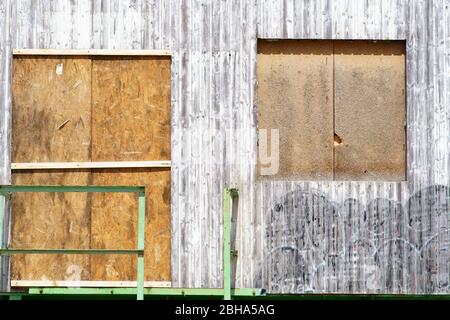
6 34
368 236
211 101
214 134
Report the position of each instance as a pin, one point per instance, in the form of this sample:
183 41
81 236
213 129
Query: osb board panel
131 108
51 109
295 96
51 122
114 224
131 121
51 220
370 110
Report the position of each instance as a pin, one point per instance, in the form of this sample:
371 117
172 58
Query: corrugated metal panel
214 138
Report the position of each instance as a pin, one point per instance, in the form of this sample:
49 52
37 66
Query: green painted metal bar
227 215
2 199
141 242
242 292
11 251
7 189
246 293
16 188
3 276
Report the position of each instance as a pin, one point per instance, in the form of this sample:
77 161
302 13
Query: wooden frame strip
91 52
90 165
88 284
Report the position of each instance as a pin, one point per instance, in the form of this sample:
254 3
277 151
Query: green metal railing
227 292
7 190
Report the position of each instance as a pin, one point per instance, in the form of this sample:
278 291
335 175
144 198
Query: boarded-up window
82 108
339 107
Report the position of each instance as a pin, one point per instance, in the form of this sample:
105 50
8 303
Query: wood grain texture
7 33
114 224
89 52
352 237
360 233
131 122
52 122
52 109
214 128
87 284
131 109
51 220
89 165
295 96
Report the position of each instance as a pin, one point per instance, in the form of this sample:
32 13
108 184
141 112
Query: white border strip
90 165
88 284
91 52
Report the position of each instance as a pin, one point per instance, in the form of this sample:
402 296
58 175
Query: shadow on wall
315 245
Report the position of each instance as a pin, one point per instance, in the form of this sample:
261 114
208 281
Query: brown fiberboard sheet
51 123
126 118
295 96
131 122
370 110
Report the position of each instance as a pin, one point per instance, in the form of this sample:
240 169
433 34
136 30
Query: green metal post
227 214
141 241
2 199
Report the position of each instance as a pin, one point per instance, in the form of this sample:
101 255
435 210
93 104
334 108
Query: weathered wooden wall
6 33
368 236
214 138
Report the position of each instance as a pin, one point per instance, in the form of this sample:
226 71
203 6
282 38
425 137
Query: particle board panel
51 122
295 96
51 109
51 220
114 224
131 108
128 116
370 110
131 122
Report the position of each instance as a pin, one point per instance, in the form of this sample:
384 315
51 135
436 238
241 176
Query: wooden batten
87 284
90 52
90 165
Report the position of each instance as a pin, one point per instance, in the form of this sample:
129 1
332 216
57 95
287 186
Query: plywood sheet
114 224
295 95
51 122
131 122
131 108
51 220
51 109
370 110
